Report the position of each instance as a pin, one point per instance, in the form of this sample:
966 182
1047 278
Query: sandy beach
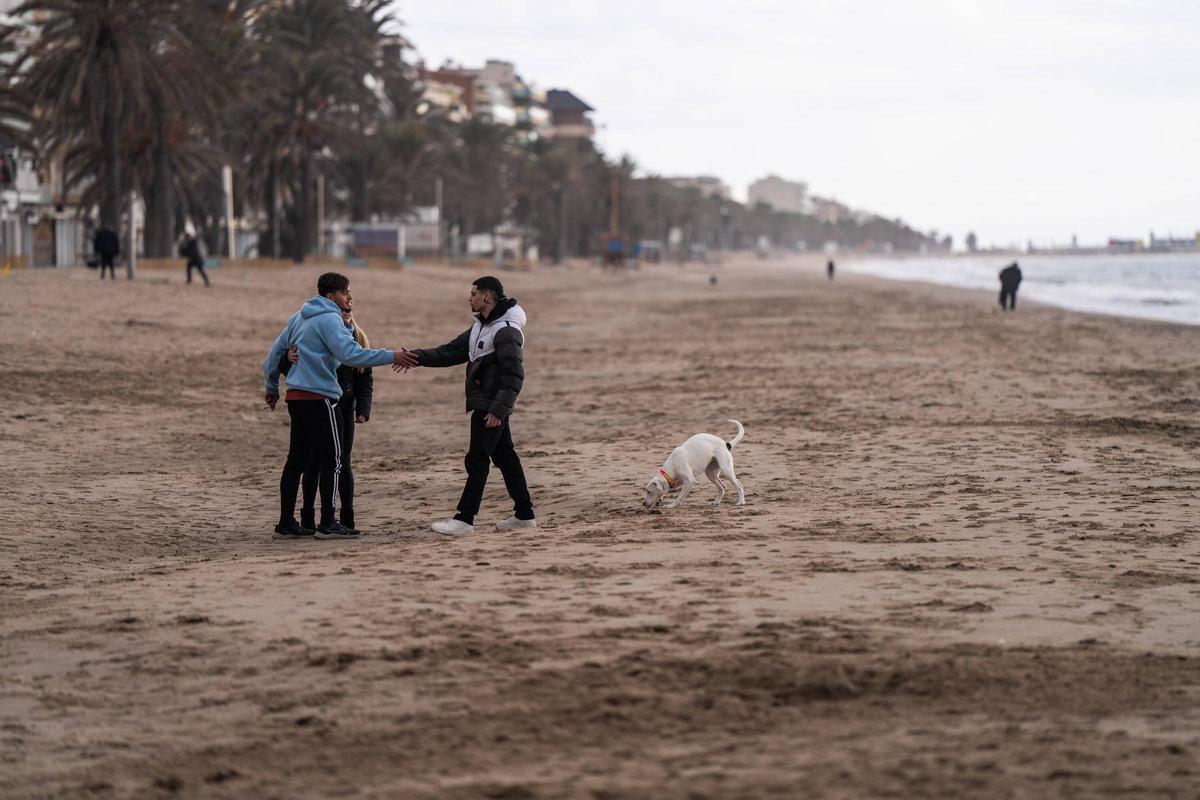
969 562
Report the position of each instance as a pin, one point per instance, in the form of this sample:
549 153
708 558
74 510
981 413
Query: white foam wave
1158 286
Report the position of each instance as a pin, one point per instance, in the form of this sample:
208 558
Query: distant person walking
107 246
1010 279
190 249
829 269
492 348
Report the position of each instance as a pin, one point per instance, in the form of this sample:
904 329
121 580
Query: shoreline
1024 299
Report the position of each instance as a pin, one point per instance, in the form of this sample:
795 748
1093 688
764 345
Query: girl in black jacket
354 408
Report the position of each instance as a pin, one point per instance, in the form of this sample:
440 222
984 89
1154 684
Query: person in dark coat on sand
1010 279
190 249
107 246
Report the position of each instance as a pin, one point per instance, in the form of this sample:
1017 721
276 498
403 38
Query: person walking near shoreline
1010 280
493 349
323 342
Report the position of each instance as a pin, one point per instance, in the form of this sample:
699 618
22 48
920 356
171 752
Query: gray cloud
1017 119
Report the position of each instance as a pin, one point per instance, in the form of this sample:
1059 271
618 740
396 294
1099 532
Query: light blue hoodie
324 342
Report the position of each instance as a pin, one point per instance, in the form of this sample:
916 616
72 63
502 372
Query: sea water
1163 286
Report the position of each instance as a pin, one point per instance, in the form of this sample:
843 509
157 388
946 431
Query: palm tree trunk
304 213
272 213
561 252
158 203
110 177
360 198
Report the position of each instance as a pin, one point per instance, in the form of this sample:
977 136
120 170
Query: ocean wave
1158 286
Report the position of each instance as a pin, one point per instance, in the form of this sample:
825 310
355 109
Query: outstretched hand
404 360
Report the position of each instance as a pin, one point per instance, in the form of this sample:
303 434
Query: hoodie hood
506 310
318 305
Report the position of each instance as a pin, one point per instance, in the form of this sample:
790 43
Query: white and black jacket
492 349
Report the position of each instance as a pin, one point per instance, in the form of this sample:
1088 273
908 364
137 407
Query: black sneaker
291 530
350 527
308 526
336 530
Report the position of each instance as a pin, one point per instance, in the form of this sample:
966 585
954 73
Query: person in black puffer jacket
353 408
493 350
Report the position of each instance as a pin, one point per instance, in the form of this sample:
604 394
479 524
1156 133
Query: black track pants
345 486
314 439
492 446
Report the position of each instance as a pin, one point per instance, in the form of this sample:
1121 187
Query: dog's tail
741 432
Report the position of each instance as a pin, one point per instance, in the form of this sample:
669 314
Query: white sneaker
453 527
512 524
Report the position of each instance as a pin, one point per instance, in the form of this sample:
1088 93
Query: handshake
404 360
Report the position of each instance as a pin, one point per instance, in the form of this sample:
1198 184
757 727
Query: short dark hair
489 284
332 282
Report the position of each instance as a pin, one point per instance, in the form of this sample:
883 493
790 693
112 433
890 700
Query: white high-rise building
707 185
780 194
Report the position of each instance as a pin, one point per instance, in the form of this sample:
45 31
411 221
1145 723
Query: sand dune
969 561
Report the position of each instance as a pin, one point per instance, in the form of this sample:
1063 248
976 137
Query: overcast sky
1017 119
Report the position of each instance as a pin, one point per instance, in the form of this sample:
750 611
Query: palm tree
16 122
387 143
95 73
180 169
310 71
480 175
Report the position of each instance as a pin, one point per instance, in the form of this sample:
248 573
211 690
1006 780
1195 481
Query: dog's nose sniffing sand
705 453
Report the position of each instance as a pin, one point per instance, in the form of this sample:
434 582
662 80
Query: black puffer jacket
358 386
497 372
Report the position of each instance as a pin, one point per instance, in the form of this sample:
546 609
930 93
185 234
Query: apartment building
780 194
707 185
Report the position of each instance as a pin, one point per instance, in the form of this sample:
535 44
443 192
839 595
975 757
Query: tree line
154 97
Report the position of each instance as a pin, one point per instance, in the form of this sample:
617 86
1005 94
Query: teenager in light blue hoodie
324 343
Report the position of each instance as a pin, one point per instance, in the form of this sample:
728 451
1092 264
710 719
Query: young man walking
324 342
492 349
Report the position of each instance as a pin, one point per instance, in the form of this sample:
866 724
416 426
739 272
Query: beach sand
968 565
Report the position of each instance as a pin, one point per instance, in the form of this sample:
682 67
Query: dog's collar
670 480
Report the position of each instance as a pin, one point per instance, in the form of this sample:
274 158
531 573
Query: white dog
701 453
